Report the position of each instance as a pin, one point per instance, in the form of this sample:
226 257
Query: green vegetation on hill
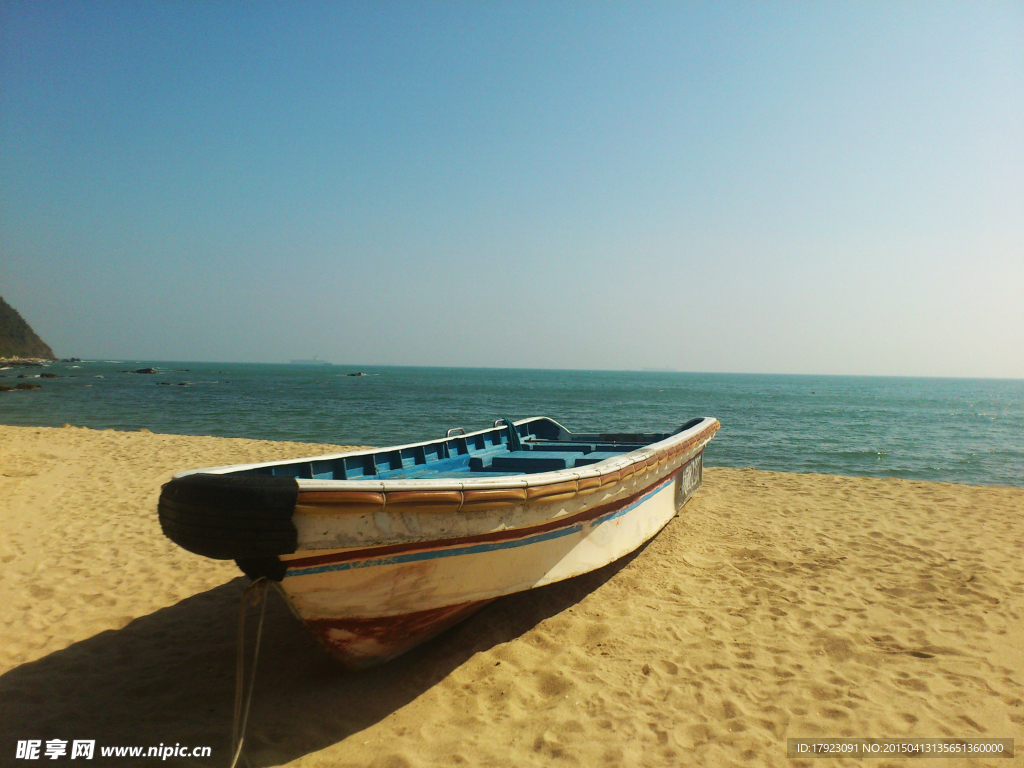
17 339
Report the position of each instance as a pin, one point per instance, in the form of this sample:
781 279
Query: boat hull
378 550
365 642
367 606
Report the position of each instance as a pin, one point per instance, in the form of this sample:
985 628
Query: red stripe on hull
505 535
364 642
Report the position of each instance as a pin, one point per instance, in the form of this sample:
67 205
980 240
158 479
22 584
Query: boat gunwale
372 495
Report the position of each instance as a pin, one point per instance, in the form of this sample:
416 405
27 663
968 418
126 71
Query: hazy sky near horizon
832 188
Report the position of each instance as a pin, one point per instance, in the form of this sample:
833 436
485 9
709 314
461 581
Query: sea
949 430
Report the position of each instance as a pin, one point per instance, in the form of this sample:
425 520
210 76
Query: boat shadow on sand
168 678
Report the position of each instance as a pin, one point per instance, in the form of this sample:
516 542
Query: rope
513 436
257 594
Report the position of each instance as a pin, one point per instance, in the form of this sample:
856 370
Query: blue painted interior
543 447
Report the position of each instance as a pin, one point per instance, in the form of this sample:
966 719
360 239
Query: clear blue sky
758 187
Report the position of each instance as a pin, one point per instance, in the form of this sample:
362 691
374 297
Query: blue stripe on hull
475 549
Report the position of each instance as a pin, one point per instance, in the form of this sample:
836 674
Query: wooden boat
379 550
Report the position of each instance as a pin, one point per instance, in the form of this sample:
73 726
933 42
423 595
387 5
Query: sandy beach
774 606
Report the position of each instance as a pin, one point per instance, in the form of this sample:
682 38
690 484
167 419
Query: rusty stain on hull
363 642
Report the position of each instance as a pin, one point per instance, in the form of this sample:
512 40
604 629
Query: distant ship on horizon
315 361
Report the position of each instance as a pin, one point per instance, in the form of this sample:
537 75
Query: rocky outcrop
17 339
21 385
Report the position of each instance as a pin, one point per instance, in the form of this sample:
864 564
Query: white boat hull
367 607
393 551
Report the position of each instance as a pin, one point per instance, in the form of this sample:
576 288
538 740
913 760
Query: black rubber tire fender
230 517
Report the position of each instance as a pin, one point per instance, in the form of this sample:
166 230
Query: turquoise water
958 430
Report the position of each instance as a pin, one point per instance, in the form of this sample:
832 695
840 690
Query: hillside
17 339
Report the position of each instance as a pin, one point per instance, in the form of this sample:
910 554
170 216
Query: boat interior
536 445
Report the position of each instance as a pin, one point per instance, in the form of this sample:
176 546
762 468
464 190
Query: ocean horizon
935 429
